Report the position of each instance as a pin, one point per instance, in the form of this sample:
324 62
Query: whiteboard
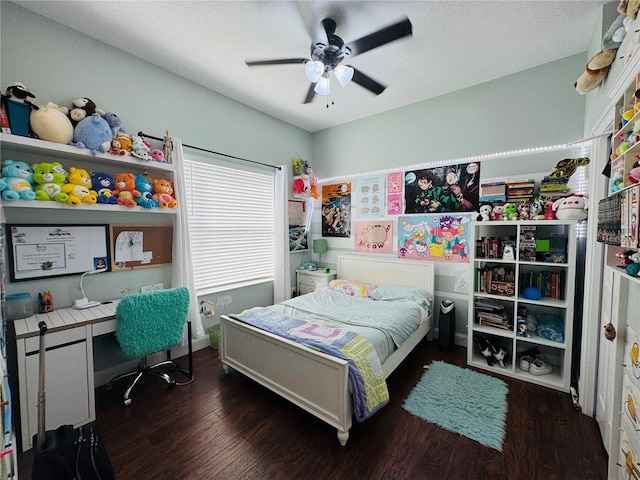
43 251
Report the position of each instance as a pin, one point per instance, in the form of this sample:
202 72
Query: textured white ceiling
455 44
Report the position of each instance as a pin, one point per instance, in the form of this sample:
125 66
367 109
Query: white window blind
231 225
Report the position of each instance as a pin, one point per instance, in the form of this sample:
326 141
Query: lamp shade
323 87
320 246
344 74
314 70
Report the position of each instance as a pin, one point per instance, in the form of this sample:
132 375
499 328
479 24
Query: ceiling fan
329 51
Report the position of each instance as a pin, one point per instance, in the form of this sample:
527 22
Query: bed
313 380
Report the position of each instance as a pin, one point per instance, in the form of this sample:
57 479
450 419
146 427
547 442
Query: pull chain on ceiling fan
328 53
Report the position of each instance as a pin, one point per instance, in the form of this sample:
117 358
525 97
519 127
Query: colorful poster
394 193
394 204
370 196
434 238
374 237
452 188
336 210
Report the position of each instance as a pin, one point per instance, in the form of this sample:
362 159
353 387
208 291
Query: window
231 225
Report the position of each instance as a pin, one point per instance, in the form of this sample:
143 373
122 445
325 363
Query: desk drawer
313 281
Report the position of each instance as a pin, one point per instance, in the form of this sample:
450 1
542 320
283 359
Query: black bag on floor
66 453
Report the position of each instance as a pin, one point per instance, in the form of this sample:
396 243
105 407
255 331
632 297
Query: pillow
392 293
355 289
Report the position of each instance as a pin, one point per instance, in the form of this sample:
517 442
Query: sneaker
525 362
540 367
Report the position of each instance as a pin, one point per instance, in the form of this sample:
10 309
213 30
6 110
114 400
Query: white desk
69 375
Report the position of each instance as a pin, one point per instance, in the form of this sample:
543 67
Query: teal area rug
461 401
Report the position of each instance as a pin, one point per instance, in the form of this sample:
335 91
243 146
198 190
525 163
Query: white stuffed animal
573 207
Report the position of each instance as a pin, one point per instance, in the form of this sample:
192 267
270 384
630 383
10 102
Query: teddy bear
93 133
82 108
103 184
163 193
125 189
50 122
145 187
49 179
16 181
573 207
510 211
79 187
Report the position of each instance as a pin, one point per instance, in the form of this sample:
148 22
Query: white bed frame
317 382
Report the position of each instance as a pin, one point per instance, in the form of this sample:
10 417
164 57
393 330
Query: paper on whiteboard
129 246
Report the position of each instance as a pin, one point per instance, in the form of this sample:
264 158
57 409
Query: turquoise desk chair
151 322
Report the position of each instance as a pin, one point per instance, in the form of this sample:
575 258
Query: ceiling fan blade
310 94
381 37
367 82
316 31
281 61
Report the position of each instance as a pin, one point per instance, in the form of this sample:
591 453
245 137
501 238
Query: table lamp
84 301
320 246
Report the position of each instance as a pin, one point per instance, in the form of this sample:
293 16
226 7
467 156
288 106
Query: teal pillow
392 293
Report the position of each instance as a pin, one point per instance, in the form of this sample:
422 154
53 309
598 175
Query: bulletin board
140 246
43 251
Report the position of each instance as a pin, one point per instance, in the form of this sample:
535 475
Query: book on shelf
493 192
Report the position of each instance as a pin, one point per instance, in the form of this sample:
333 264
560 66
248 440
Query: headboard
386 270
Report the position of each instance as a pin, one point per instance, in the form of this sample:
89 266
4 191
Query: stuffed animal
19 93
524 211
145 187
103 184
79 188
50 122
125 189
82 108
16 180
510 211
537 209
573 207
634 173
140 148
485 212
121 144
49 179
114 122
496 212
157 155
549 212
93 133
163 193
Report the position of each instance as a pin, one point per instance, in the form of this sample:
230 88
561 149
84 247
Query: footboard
317 382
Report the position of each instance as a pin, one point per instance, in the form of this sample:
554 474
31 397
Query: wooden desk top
65 318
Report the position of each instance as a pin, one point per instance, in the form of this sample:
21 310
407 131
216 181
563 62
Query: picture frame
298 241
47 251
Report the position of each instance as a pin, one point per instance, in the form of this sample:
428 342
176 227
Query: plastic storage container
19 305
214 335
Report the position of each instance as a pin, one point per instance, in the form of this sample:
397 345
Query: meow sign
374 237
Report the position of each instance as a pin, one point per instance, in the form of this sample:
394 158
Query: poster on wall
297 226
435 238
451 188
336 210
394 193
374 237
370 196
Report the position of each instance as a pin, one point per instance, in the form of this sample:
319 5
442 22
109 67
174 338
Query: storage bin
18 117
19 305
214 335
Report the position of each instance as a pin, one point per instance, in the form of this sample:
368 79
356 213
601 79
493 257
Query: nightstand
310 280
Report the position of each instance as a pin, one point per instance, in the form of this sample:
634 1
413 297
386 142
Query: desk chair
148 323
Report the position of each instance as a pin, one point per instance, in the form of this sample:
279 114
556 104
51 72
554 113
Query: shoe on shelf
540 367
485 348
525 362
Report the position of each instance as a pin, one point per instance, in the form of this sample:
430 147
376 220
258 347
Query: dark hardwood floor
228 427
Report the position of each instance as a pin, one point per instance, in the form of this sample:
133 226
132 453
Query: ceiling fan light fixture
314 70
323 87
344 74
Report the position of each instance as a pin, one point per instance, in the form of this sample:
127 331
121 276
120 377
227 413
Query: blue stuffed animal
17 181
145 187
104 184
93 133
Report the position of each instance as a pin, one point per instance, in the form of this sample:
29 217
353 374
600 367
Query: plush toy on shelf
82 108
50 122
125 189
145 187
485 212
163 193
633 268
114 122
510 211
157 155
16 181
140 148
103 184
79 187
121 144
49 179
573 207
93 133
